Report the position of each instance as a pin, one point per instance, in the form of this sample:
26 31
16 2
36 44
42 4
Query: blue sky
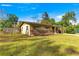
33 11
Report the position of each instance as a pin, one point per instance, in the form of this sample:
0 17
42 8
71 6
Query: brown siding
41 30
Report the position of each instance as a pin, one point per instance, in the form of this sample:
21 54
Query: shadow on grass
11 50
43 48
38 48
19 38
71 50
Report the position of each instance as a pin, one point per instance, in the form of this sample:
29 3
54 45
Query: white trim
23 29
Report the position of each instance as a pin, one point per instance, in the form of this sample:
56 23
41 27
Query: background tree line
68 22
8 22
11 21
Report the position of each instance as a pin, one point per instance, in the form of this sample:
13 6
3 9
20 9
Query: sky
33 11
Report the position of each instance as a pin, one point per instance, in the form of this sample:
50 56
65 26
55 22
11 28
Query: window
26 27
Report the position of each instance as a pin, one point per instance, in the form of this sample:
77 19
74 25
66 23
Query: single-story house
33 29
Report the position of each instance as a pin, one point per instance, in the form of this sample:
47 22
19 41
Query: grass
53 45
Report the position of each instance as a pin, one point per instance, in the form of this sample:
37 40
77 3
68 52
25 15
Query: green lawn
53 45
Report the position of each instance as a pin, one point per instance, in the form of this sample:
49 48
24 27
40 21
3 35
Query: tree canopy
10 21
47 20
67 17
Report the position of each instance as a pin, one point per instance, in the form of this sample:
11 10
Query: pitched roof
36 24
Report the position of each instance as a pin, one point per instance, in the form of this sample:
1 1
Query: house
33 29
11 30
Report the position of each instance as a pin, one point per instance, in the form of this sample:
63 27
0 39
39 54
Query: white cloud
73 23
29 19
7 5
26 8
59 16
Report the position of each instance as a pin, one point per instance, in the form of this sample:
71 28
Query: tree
77 28
65 22
70 29
1 24
67 17
52 21
13 18
45 18
11 21
59 23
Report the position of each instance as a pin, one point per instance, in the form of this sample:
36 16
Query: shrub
70 29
